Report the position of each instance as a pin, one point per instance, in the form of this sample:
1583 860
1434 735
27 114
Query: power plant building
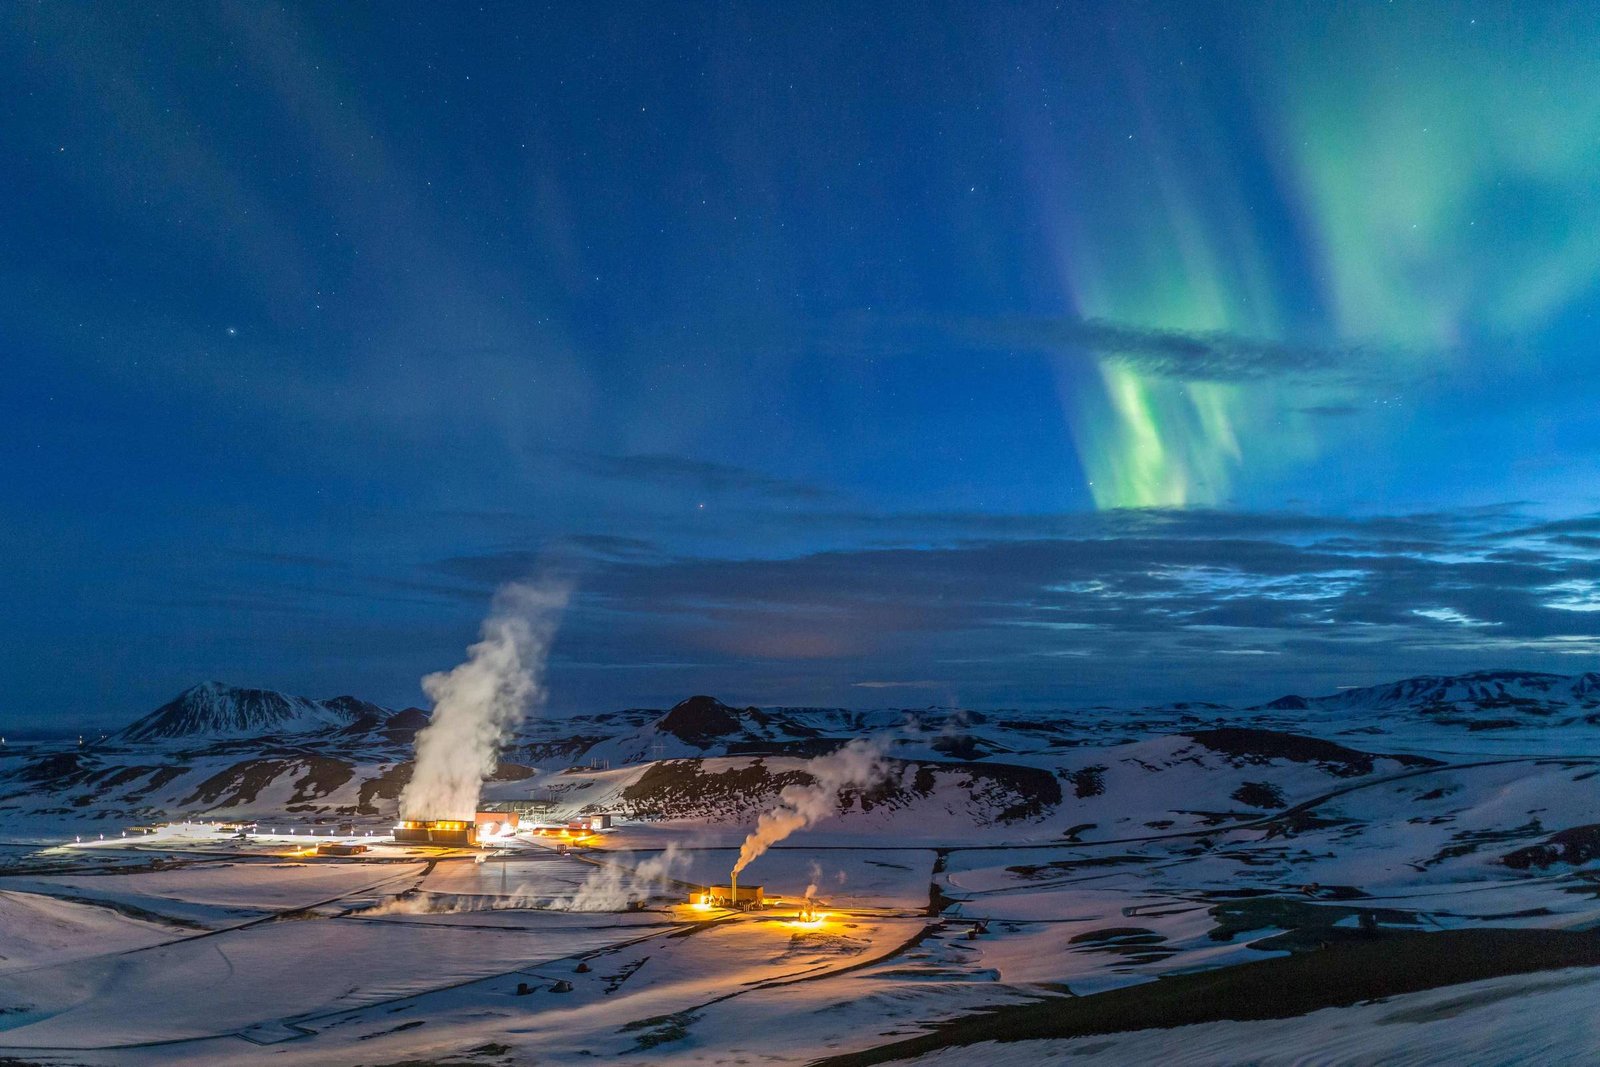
489 823
455 833
442 833
723 896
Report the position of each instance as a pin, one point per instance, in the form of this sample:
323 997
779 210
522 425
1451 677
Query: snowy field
405 953
1403 892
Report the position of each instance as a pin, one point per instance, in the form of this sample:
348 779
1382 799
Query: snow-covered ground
1006 861
1545 1018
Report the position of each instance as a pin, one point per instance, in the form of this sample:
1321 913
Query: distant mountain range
220 749
701 722
1483 689
1522 692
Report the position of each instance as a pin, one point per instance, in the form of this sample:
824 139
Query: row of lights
78 838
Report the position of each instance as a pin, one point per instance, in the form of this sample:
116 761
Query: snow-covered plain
1007 860
1545 1018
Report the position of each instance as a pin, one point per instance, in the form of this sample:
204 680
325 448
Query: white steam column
858 765
479 704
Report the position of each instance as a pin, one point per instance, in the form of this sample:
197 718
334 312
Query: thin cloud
1173 604
1186 355
682 472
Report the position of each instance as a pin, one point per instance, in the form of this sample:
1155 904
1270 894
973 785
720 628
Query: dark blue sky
921 353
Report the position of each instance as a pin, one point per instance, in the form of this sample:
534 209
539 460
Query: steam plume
612 887
479 703
858 765
816 876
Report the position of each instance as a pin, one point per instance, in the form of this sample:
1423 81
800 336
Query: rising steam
479 703
612 887
858 765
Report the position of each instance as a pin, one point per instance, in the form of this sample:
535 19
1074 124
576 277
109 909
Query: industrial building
727 896
486 824
588 824
447 833
456 833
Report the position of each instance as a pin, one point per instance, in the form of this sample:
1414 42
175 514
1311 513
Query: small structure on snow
487 824
728 896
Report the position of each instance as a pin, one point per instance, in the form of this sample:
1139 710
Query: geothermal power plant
483 827
480 702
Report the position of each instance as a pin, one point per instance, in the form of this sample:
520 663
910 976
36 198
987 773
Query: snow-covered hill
1517 692
238 751
212 709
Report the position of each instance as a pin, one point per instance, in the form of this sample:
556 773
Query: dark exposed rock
1574 845
1259 795
1088 782
1251 746
702 720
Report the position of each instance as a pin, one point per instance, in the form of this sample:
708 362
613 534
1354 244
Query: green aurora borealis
1410 180
1044 353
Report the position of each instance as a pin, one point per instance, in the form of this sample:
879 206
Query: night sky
851 354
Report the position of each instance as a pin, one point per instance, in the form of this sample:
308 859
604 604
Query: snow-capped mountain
1481 690
212 709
